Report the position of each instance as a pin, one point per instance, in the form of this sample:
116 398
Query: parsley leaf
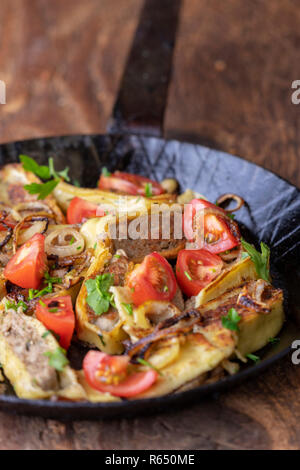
128 307
29 164
12 305
261 260
105 172
188 275
42 189
231 320
274 340
45 173
99 298
57 358
253 357
146 363
148 190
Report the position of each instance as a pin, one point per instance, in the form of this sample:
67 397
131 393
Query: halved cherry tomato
129 184
79 210
191 210
27 267
195 269
153 279
218 235
109 374
58 316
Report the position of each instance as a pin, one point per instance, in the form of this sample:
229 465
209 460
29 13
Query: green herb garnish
29 164
102 340
231 320
52 280
76 183
148 190
274 340
188 276
34 293
47 333
99 298
45 173
166 289
57 358
244 255
128 307
261 260
72 241
146 363
14 306
253 357
105 172
42 189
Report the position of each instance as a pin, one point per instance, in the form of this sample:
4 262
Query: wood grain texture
234 64
261 414
231 89
62 63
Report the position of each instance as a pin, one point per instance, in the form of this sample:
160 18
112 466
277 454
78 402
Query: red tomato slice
109 374
129 184
27 267
218 236
195 269
79 210
153 279
189 214
58 316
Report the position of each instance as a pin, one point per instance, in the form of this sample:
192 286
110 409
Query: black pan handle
142 97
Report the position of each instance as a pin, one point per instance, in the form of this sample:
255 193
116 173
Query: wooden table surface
233 66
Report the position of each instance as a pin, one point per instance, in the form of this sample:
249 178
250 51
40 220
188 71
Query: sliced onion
64 242
32 206
38 227
39 223
227 197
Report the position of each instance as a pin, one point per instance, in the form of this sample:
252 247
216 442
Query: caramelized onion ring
227 197
58 242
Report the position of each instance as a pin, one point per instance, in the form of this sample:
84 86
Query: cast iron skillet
272 214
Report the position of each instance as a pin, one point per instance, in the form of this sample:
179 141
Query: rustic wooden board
62 63
234 64
233 69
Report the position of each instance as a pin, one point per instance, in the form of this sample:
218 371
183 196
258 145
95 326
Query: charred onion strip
33 206
41 217
8 235
227 197
164 330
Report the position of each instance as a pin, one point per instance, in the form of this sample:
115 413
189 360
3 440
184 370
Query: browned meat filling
29 347
149 235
